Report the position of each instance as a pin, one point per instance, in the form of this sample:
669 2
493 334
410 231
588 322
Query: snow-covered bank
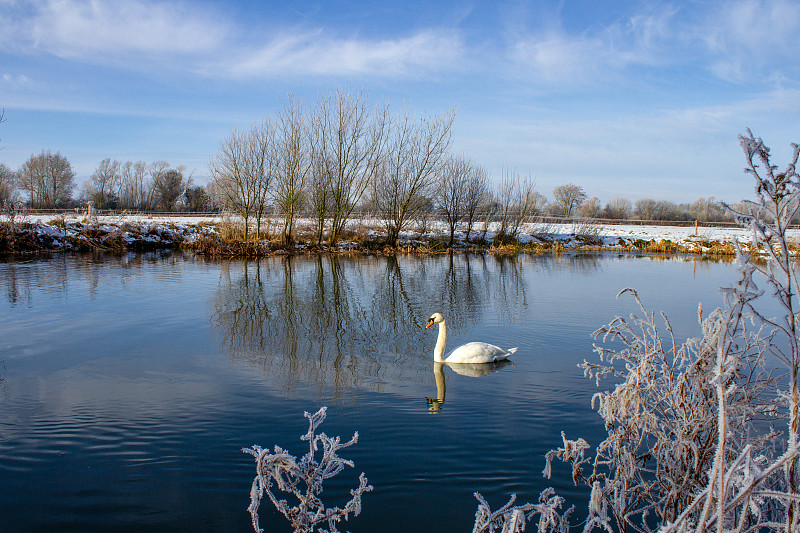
75 235
76 232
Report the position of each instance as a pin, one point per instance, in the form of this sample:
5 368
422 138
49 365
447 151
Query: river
130 383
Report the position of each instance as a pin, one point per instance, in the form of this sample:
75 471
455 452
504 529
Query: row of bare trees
143 187
329 159
342 154
571 201
703 209
49 181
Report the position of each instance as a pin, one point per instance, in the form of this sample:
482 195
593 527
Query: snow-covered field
570 236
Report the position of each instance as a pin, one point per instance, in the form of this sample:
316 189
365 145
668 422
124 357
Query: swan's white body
472 352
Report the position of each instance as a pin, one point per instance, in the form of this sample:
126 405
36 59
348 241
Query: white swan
472 352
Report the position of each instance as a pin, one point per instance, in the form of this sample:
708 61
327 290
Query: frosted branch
303 480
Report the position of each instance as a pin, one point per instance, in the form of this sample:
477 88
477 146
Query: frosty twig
303 479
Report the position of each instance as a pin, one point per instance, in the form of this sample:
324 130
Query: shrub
687 447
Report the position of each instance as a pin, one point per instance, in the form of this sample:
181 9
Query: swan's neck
438 352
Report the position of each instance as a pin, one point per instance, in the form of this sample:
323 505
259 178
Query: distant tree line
340 156
620 208
144 187
49 183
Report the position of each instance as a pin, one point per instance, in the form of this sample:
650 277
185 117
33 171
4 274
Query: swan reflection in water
473 370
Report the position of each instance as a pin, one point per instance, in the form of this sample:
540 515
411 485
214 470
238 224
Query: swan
472 352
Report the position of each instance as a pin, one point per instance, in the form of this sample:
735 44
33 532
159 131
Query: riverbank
221 237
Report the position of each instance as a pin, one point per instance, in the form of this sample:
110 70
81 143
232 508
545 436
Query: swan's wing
478 352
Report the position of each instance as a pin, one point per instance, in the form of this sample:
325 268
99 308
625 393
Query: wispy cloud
753 38
744 40
193 37
316 53
16 81
111 32
555 56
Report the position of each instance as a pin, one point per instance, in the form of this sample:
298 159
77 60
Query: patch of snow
168 228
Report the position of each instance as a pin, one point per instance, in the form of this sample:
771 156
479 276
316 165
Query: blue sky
635 99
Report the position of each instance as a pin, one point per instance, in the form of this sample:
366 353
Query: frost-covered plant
768 218
755 492
688 446
661 417
302 479
512 518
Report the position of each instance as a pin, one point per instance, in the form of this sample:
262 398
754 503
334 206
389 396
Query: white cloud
108 31
554 56
19 80
142 34
558 58
744 40
315 53
753 38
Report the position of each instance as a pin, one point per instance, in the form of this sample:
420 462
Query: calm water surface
130 384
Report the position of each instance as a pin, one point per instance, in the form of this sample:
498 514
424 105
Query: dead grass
218 246
225 239
230 231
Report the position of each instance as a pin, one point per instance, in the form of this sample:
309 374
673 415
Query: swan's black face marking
430 323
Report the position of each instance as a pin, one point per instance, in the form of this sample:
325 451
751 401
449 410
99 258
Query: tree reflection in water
22 278
356 321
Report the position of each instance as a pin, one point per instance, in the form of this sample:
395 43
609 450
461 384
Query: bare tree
242 171
618 208
476 195
517 200
104 184
645 209
452 191
568 198
462 189
348 140
590 208
157 172
318 196
415 153
48 178
8 184
262 162
233 181
136 189
293 164
708 210
169 188
506 195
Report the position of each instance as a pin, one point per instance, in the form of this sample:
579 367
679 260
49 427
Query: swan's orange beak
430 323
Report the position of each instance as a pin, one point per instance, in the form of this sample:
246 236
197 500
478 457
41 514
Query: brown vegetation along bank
225 239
